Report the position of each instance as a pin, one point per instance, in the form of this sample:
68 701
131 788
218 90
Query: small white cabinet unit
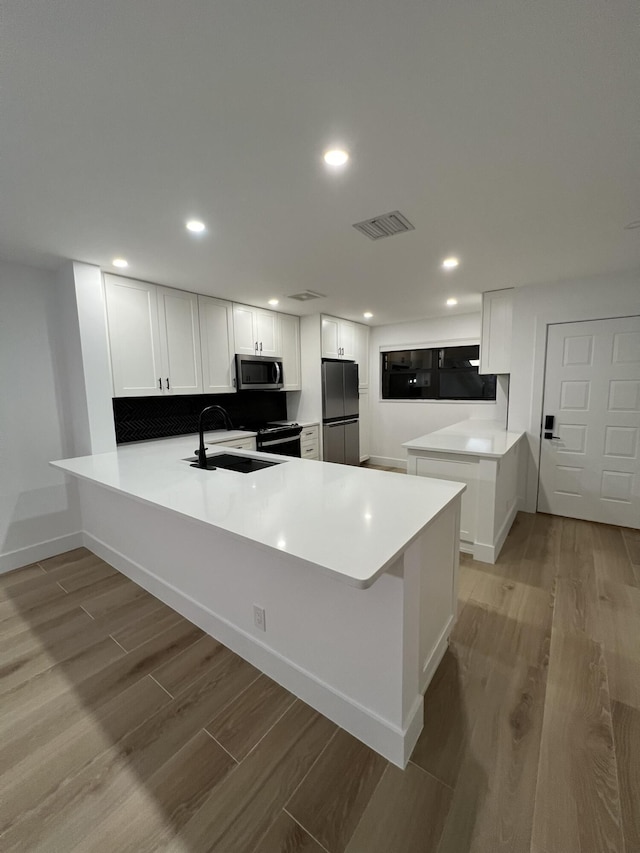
218 348
256 331
310 442
361 354
236 443
495 345
338 338
154 339
290 351
365 425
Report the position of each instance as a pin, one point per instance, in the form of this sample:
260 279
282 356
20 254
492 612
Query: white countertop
473 437
350 522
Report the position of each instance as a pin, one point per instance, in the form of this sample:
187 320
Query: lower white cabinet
310 442
235 443
154 339
218 349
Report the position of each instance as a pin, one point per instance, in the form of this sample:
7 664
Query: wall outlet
259 618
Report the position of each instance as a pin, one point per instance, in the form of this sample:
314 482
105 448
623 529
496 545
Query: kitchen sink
241 464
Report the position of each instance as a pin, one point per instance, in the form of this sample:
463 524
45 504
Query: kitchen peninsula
354 570
489 459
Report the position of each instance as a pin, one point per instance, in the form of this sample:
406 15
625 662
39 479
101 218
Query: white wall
394 422
39 511
85 352
535 307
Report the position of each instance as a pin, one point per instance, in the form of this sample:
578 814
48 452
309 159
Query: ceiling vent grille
306 295
386 225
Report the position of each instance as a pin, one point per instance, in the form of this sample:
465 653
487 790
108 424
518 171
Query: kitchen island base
363 657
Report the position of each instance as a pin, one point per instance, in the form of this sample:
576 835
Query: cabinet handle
256 346
160 384
260 346
168 386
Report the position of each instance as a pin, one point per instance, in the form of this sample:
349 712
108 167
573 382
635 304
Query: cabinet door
362 353
365 426
244 330
218 349
134 337
330 337
347 339
267 325
290 339
180 341
495 346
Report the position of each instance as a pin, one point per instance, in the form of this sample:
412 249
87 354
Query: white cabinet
361 353
256 331
290 350
218 349
154 339
235 443
365 426
495 345
310 442
338 338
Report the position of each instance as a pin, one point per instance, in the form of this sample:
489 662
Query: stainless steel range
279 438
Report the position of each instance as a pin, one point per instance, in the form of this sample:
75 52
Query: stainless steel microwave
259 373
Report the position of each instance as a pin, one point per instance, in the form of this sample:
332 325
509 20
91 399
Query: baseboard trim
393 743
388 462
486 553
41 551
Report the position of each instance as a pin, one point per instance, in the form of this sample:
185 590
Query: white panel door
361 353
134 337
290 348
268 332
592 389
347 340
244 330
330 337
180 341
218 349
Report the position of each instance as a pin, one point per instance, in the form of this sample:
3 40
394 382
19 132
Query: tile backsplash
140 418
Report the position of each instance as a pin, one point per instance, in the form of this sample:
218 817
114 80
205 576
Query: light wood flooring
124 728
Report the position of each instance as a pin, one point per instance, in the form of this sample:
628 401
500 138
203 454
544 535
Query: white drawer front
309 433
309 451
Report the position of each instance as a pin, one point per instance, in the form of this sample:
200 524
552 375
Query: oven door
289 446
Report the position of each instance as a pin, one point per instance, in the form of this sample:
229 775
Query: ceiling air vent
384 226
306 295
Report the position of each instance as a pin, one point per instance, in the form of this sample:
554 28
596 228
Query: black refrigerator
340 427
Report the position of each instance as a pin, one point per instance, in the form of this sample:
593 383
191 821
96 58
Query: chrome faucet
201 453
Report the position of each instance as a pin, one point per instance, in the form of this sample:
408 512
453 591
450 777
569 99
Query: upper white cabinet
154 339
218 348
361 354
256 331
338 338
290 349
495 346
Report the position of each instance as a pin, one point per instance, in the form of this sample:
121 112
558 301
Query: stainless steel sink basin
241 464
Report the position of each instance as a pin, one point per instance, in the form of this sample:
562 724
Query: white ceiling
507 131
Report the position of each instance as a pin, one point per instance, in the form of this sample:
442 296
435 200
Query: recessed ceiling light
336 157
120 262
273 301
367 315
452 301
195 226
450 263
632 225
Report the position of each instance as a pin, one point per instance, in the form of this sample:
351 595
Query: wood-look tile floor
125 728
